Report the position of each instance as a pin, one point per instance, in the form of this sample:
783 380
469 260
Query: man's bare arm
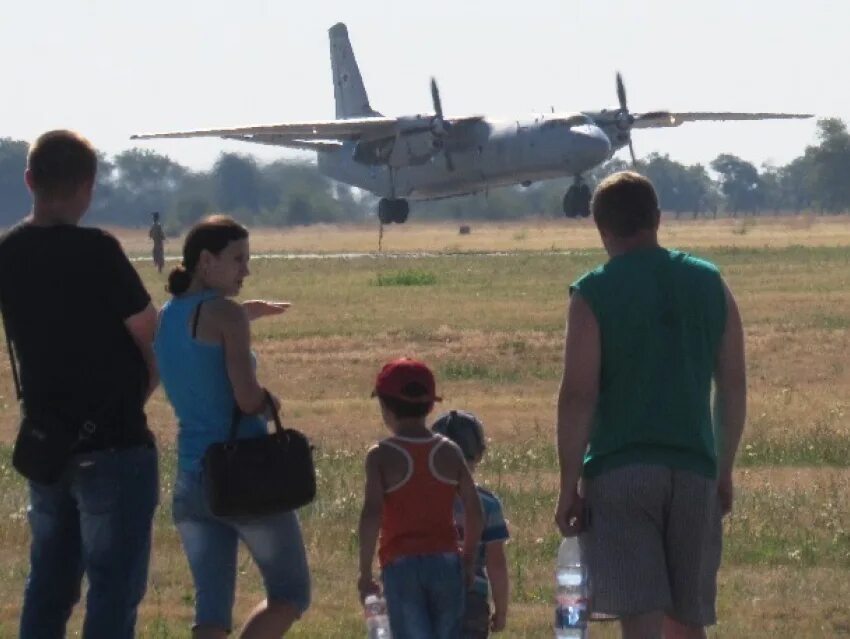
576 404
142 328
730 398
579 389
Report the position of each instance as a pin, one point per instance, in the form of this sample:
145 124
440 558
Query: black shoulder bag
260 475
45 441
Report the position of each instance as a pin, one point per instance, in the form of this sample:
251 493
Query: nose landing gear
393 210
577 199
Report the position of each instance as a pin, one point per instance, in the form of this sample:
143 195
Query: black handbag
261 475
45 441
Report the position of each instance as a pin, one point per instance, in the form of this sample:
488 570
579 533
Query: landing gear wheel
584 196
577 200
402 210
393 210
385 211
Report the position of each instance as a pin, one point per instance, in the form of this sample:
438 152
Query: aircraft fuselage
490 154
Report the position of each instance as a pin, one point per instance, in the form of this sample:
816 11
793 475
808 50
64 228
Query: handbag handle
237 416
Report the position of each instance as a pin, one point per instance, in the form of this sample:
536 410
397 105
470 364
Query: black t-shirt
65 293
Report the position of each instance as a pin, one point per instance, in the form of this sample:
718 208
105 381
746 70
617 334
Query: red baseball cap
408 380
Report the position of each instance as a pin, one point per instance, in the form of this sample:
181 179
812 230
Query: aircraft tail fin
349 92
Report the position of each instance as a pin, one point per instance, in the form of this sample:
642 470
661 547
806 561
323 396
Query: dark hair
60 162
212 234
624 204
403 409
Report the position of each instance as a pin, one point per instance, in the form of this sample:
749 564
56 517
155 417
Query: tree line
136 182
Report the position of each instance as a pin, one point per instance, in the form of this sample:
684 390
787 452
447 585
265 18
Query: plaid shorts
653 543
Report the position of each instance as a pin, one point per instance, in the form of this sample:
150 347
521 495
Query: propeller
625 120
439 126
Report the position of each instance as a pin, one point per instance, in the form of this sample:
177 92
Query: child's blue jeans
425 596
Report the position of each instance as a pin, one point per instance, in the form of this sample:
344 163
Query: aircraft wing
352 129
668 119
288 142
369 128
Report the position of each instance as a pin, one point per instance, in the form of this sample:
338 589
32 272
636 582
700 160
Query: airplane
430 155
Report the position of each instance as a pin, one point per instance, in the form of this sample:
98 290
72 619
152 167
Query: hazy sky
113 67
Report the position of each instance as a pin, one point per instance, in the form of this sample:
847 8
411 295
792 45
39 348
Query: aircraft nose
596 147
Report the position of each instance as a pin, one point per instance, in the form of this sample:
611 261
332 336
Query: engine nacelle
374 152
411 149
408 148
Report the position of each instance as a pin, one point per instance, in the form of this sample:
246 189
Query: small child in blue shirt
491 569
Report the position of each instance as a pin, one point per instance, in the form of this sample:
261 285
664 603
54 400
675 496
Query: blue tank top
194 376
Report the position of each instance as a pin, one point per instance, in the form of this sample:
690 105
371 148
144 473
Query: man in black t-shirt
82 325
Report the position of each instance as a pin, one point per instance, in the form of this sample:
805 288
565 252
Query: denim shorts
425 596
211 542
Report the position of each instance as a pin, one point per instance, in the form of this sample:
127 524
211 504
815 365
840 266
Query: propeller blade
442 126
632 151
435 97
450 165
621 92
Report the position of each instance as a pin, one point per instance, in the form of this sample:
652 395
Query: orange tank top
418 513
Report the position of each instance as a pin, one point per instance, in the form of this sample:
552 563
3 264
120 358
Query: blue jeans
211 543
96 520
425 595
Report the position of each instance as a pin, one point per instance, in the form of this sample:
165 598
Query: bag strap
12 359
237 416
196 318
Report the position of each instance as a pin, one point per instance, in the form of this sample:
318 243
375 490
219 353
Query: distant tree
136 183
609 167
14 196
830 166
680 188
770 185
740 183
236 183
796 184
141 170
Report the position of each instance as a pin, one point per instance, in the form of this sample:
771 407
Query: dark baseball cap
464 429
408 380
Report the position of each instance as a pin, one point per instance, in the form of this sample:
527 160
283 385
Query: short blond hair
625 203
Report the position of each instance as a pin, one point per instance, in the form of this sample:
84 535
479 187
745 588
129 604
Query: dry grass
539 234
492 328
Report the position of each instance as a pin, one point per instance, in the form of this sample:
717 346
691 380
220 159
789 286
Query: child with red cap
412 479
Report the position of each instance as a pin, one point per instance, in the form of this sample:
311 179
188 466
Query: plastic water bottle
571 593
377 622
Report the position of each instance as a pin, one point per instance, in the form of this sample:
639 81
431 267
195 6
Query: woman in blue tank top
204 355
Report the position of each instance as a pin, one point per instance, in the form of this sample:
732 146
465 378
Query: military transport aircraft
431 155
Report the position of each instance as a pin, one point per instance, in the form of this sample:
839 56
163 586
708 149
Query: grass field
492 327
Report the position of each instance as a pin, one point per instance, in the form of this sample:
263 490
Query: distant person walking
157 235
203 347
81 325
646 334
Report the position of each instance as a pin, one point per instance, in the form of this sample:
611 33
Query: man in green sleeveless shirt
647 333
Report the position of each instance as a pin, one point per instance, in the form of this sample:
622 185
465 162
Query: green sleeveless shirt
661 316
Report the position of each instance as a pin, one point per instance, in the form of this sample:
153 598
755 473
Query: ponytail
179 280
